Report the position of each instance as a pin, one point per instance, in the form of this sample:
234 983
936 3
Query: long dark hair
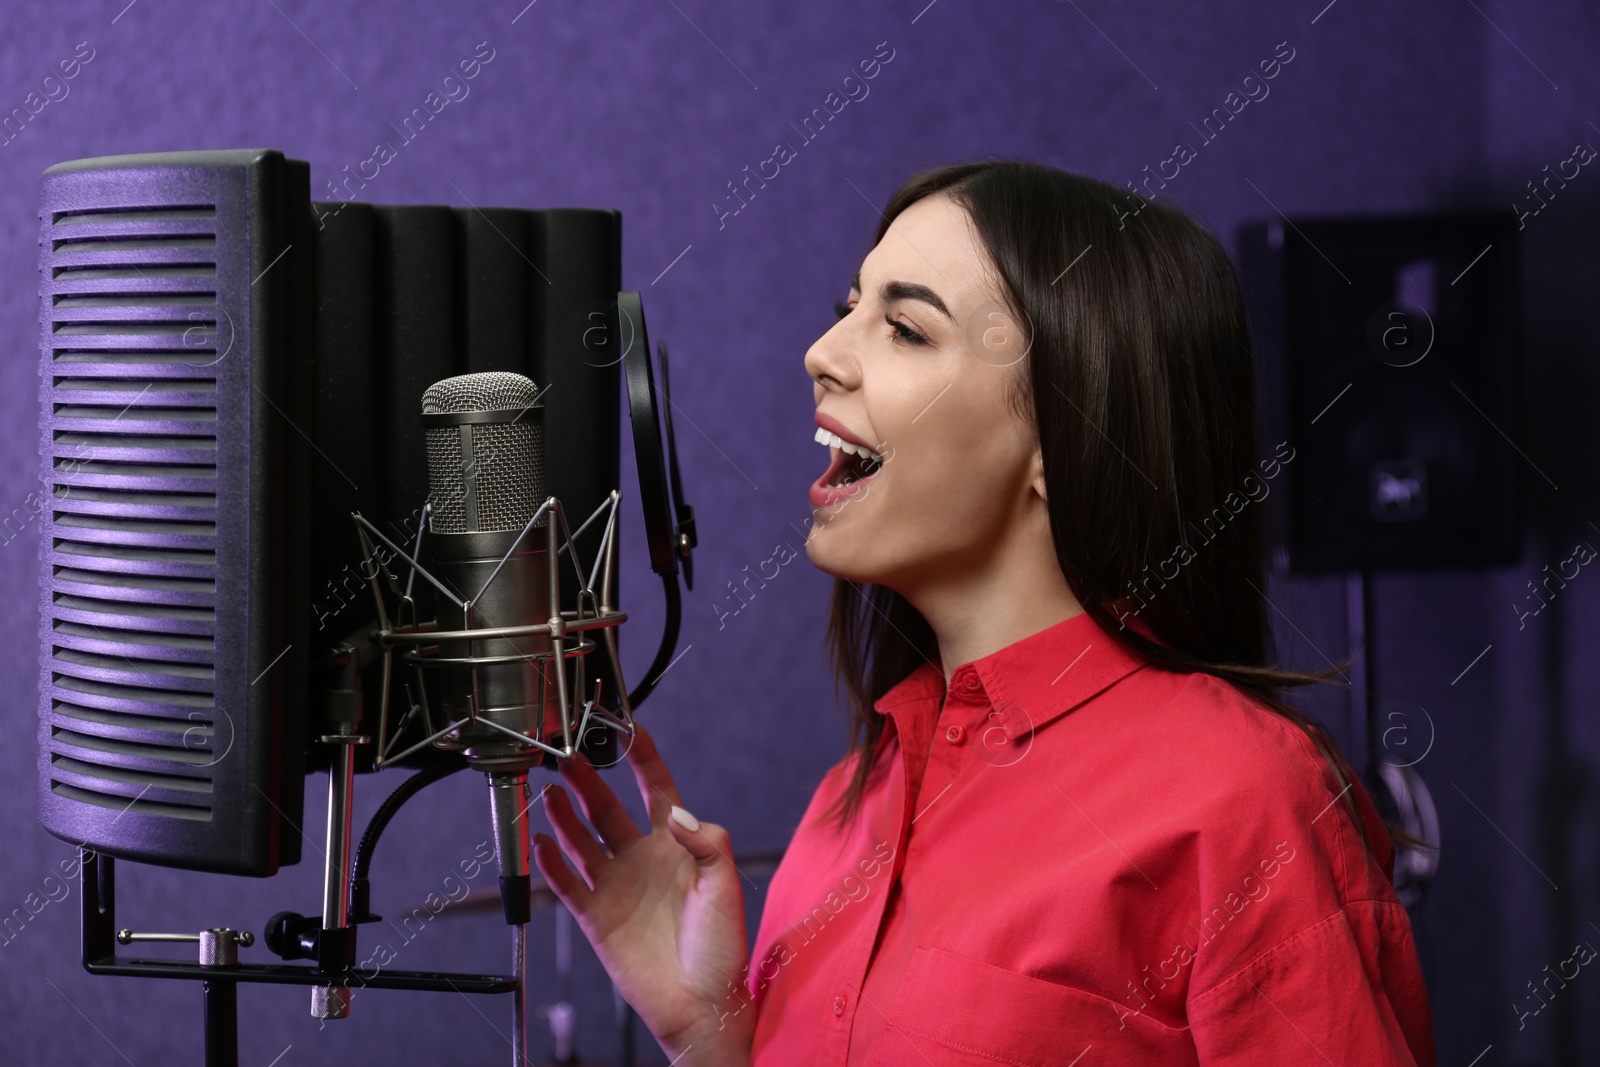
1139 383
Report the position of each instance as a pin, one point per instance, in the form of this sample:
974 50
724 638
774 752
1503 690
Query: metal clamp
219 946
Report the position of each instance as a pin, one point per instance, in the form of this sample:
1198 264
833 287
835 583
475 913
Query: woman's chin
830 552
826 552
819 551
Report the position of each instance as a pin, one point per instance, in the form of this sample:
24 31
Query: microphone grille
500 481
486 391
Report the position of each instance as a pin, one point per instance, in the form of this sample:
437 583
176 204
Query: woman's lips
838 429
823 495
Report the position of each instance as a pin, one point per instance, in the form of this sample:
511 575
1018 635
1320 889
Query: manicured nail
684 819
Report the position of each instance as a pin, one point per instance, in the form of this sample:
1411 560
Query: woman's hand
664 910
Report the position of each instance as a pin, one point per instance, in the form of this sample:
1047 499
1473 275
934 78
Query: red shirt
1073 857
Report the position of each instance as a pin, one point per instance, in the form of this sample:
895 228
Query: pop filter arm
667 541
685 538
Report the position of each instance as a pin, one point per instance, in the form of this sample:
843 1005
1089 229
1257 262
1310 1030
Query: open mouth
850 466
851 463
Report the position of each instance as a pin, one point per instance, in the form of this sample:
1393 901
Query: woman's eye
905 333
902 332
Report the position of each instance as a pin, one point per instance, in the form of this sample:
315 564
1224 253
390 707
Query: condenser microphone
486 482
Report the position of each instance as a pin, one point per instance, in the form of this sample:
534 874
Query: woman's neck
1015 592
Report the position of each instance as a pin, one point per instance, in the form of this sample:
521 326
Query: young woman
1078 823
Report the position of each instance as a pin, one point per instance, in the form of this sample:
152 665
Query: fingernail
684 819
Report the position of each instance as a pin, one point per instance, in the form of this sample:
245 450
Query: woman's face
920 370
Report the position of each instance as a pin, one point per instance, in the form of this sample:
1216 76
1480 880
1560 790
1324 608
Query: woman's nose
830 363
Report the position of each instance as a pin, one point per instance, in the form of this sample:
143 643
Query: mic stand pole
342 712
519 996
625 1056
332 1001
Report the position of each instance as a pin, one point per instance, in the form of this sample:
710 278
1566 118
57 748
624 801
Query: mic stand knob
330 1002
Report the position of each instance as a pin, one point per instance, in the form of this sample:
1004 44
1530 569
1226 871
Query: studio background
654 108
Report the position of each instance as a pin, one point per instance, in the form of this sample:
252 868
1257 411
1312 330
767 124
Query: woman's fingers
655 781
600 805
606 814
707 842
563 882
575 840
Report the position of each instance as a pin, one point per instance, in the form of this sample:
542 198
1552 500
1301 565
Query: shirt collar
1030 682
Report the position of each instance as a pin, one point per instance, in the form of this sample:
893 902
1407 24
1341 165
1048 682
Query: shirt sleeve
1347 990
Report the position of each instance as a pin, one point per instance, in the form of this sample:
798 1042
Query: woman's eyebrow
892 291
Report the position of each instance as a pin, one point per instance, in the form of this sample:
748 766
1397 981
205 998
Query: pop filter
667 540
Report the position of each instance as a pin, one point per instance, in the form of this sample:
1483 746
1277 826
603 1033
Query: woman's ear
1036 474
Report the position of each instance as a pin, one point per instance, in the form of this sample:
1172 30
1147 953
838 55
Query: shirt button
838 1004
955 735
971 683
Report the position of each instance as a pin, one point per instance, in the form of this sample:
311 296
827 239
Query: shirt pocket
959 1011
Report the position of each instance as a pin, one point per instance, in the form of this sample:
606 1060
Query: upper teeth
833 440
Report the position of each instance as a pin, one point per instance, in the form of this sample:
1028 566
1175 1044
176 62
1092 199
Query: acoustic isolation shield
175 350
1387 352
229 369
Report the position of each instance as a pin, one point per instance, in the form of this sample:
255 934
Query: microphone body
486 480
516 593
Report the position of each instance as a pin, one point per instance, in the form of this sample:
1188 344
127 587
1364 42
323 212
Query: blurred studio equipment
331 486
1388 349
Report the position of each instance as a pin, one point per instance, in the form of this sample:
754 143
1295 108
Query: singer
1079 822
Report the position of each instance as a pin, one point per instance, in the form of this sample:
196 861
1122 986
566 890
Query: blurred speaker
1387 352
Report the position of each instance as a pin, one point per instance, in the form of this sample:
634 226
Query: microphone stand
329 940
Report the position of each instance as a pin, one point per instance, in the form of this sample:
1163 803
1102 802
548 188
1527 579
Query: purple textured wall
654 109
